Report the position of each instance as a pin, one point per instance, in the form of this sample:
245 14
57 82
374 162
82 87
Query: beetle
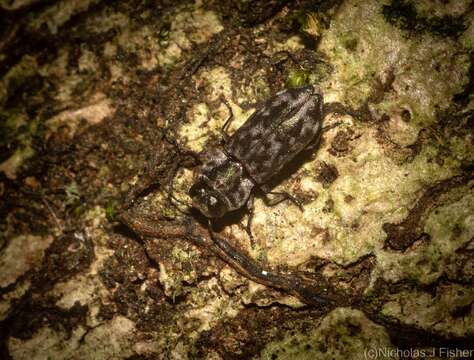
279 129
272 136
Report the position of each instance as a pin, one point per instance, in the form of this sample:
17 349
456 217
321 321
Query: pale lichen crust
388 195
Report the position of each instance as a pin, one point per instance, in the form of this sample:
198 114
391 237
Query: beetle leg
229 120
280 197
183 152
210 229
171 197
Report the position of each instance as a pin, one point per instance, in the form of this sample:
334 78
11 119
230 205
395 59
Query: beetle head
209 202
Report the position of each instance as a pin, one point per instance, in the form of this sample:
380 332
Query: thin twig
53 214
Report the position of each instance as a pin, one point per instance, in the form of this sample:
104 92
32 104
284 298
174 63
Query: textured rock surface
87 90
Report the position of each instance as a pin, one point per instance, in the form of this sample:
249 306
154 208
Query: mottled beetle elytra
272 136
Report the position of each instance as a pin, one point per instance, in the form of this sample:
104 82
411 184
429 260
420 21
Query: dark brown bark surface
103 106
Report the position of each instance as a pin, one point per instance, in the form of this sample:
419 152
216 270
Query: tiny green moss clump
111 211
298 78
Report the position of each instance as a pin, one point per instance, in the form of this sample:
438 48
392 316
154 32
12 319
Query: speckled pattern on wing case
277 131
273 135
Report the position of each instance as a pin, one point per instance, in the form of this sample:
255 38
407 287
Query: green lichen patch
209 307
448 312
450 227
428 71
17 76
298 78
341 334
16 127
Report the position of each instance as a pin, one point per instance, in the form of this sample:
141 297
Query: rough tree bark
100 102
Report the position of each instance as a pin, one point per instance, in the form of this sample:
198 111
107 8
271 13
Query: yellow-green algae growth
379 181
342 334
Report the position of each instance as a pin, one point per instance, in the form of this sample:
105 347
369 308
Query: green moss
298 78
301 77
262 257
111 210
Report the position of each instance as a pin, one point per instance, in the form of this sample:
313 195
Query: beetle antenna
180 150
